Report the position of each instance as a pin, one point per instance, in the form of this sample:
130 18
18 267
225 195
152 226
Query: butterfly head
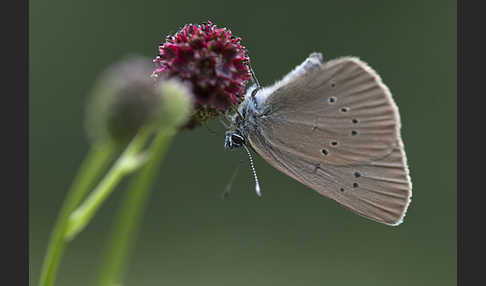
234 139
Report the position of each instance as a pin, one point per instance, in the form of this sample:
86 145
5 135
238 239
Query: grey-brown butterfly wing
335 128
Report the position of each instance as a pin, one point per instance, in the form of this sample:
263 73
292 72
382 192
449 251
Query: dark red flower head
212 61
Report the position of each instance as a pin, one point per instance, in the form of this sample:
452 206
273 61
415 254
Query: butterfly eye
237 140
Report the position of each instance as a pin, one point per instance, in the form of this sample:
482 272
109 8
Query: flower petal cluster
211 61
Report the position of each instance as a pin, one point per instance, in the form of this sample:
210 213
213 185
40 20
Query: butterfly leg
226 116
224 123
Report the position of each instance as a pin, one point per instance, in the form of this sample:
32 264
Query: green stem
125 230
97 159
128 162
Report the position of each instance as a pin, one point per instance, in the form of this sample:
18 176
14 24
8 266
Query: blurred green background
293 236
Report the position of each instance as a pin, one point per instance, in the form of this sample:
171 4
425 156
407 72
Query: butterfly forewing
342 106
335 128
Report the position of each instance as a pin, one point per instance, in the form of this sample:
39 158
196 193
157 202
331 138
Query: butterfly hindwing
335 128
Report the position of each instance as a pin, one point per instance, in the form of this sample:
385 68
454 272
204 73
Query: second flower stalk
174 108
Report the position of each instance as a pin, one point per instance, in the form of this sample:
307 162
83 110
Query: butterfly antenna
257 184
228 187
255 80
209 129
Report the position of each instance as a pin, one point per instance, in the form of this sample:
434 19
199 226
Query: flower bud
126 98
177 102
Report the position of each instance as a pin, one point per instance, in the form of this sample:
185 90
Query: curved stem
128 162
97 159
124 233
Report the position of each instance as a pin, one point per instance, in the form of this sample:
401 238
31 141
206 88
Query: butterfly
334 127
